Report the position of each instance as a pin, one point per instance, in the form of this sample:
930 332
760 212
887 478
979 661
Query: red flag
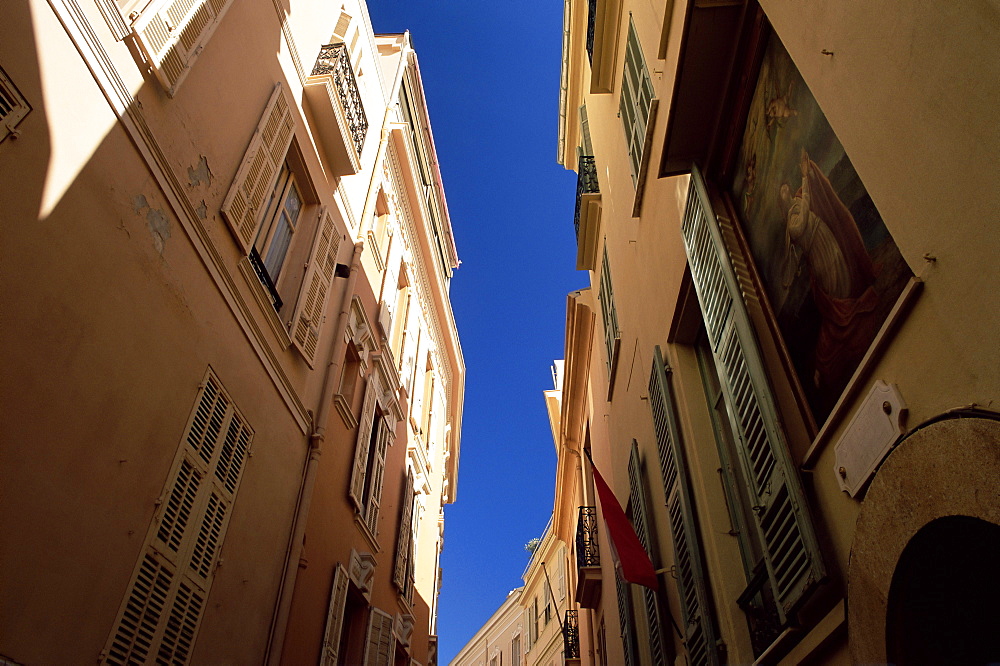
634 560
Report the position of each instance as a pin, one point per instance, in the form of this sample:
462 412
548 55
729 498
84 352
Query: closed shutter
399 575
243 205
383 439
700 635
381 644
625 619
160 614
365 424
334 617
171 34
562 575
639 518
308 316
791 550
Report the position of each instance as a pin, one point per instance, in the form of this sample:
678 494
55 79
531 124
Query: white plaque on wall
871 434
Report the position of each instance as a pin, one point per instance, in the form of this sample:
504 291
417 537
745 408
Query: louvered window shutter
381 644
637 497
625 619
608 313
700 634
383 439
309 311
399 575
791 550
365 424
160 615
562 576
334 617
171 34
247 197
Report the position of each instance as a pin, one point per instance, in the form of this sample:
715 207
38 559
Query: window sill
343 407
264 301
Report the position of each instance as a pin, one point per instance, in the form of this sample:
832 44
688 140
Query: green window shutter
309 310
171 34
625 620
405 536
633 107
243 206
365 424
700 633
720 277
637 498
381 644
334 617
606 296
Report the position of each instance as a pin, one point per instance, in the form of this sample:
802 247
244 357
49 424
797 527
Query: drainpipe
294 551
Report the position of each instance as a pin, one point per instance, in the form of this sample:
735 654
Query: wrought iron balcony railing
265 279
591 21
571 635
334 60
586 183
587 552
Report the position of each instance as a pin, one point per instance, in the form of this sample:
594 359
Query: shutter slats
209 536
335 617
381 644
405 534
382 439
178 638
365 425
147 599
639 518
243 205
308 318
791 551
178 507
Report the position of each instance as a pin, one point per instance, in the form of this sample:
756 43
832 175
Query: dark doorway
944 601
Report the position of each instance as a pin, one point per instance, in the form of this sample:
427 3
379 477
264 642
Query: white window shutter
700 634
243 205
381 644
791 550
335 617
171 34
383 439
309 312
399 575
365 424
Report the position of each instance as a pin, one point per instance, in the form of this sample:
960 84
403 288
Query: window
171 34
403 574
515 651
612 336
548 604
160 614
637 92
266 210
13 107
374 437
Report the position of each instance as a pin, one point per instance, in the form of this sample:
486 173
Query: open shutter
639 519
625 619
171 34
791 550
383 439
609 315
700 635
334 617
381 644
309 311
405 535
260 166
365 424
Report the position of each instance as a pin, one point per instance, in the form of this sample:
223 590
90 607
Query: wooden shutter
171 34
700 634
399 575
247 197
365 424
381 644
625 619
161 611
610 316
383 438
562 575
791 550
335 617
640 519
309 311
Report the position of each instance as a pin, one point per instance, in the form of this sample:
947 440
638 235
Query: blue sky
491 75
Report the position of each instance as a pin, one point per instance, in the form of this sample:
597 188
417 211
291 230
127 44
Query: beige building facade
234 391
785 363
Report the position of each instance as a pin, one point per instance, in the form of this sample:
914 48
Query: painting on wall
831 270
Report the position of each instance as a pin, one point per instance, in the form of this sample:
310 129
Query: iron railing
757 602
586 183
571 635
265 278
334 59
591 22
587 552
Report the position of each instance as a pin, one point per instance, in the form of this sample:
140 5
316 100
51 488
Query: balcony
588 559
338 114
591 21
571 636
587 217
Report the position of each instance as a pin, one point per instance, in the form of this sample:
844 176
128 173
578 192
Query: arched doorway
944 600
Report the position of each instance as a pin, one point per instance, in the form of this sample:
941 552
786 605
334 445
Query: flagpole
554 602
